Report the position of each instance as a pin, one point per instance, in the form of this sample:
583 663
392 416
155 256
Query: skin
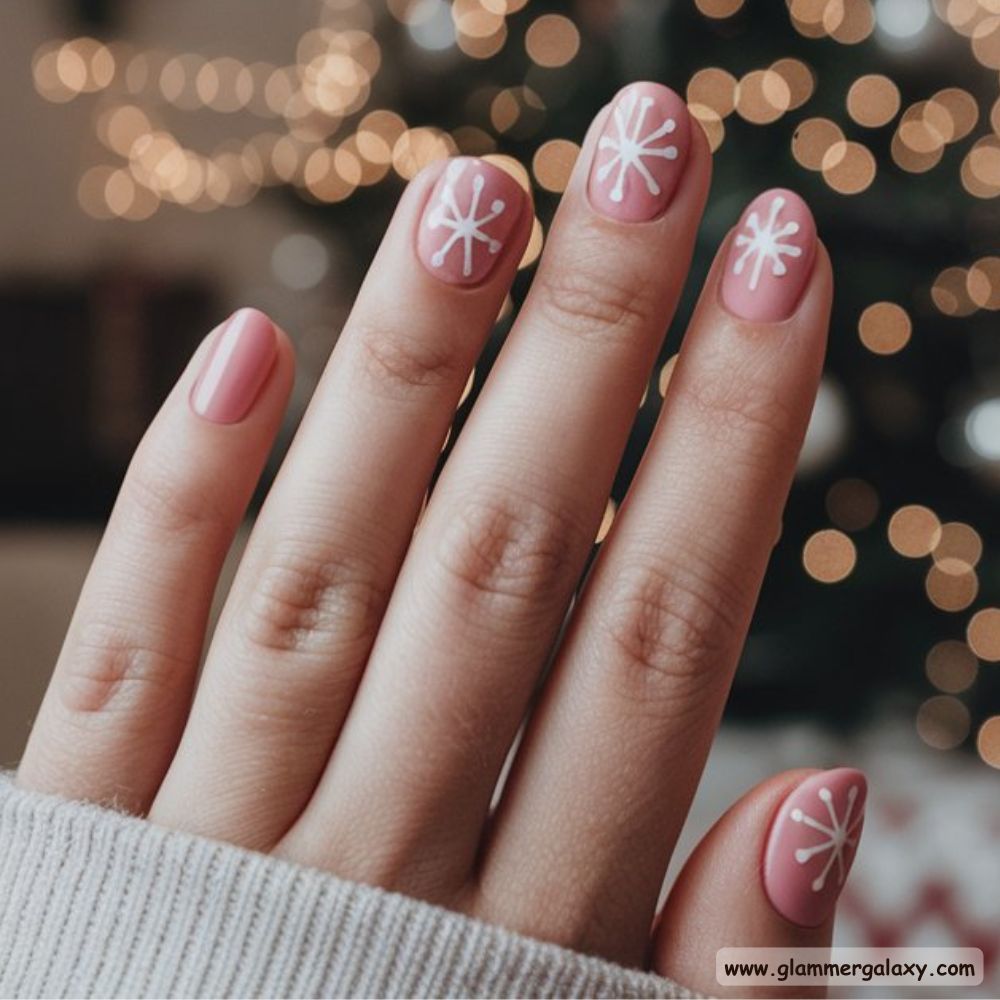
366 683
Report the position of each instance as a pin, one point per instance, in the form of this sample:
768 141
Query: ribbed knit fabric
96 904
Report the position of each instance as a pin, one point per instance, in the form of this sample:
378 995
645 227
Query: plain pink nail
641 154
770 258
470 217
812 843
236 367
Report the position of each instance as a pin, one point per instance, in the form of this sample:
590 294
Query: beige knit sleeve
96 904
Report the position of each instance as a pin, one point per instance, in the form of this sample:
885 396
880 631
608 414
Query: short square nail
236 368
641 154
470 217
812 843
770 258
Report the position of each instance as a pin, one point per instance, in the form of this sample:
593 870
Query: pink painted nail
641 154
470 216
770 258
236 367
812 843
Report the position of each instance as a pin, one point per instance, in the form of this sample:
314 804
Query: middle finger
503 542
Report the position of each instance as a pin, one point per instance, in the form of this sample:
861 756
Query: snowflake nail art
466 225
811 845
765 244
838 835
631 147
640 155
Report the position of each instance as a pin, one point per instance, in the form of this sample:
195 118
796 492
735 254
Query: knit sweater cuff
97 904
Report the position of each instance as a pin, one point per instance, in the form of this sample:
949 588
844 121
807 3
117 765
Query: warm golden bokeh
988 741
951 585
983 283
666 374
950 292
885 328
711 124
914 531
713 88
607 520
959 544
873 100
951 666
553 163
829 556
798 77
534 248
718 8
983 634
852 504
943 722
812 139
848 167
762 96
552 40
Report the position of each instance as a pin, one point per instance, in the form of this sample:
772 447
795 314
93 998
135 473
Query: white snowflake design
631 147
466 227
765 243
840 835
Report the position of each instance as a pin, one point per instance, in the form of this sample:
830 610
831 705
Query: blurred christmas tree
884 115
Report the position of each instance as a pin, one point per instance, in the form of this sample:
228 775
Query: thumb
760 878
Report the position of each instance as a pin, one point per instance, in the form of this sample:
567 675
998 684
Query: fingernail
236 367
812 843
770 258
470 217
641 154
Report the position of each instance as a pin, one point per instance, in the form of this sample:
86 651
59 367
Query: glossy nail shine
812 844
236 368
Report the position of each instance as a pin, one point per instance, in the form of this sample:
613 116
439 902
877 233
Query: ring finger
613 755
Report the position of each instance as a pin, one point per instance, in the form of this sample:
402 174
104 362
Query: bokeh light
983 634
873 100
914 531
553 163
829 556
951 666
988 741
943 722
885 328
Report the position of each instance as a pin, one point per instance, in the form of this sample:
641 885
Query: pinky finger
765 876
119 696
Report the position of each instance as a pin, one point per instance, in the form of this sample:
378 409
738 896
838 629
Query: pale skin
366 683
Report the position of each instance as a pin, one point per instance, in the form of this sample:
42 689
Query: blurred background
165 163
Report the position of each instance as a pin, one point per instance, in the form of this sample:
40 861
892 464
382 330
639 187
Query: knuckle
313 604
510 548
160 499
112 666
670 630
593 306
750 408
400 365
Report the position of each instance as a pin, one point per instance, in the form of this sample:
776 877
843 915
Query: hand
367 680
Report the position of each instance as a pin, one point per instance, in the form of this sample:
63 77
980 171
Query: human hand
367 681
